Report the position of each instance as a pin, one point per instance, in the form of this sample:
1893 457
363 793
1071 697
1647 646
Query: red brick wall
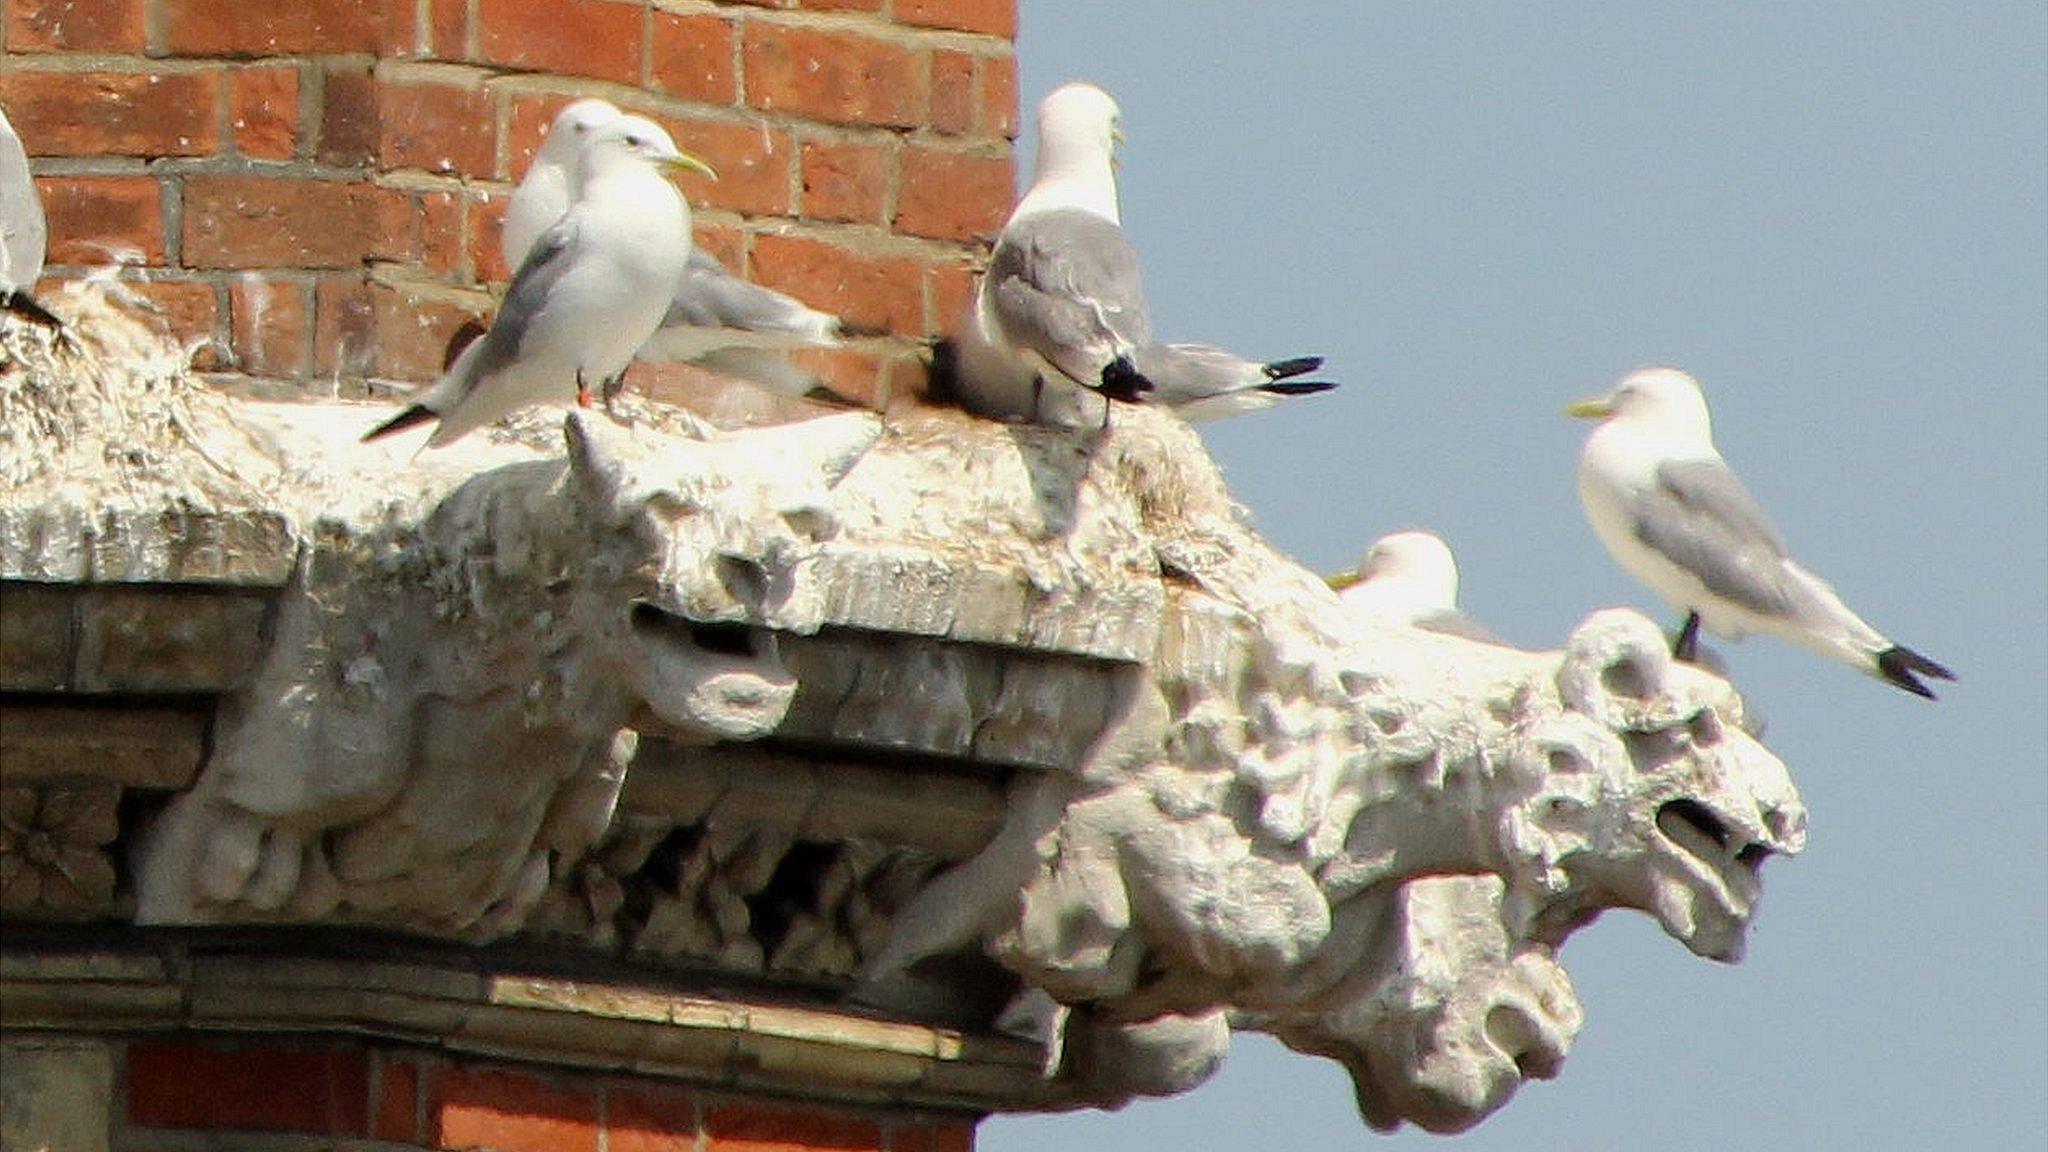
245 1093
315 185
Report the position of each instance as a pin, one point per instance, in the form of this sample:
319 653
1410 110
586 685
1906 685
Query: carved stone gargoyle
1212 798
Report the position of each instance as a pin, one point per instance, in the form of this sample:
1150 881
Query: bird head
572 128
1665 397
636 138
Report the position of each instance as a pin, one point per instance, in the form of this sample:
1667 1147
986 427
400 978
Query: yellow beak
1598 408
1342 580
684 161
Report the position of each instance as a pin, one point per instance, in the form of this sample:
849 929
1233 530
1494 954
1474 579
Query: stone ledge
743 1041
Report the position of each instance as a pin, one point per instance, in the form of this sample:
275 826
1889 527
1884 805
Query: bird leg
582 390
609 391
1688 642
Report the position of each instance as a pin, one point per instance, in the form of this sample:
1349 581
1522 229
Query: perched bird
544 192
711 306
1409 578
1672 513
592 289
1062 303
22 232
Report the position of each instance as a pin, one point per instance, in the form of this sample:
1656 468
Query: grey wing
1066 285
22 233
525 298
711 296
1185 373
1700 517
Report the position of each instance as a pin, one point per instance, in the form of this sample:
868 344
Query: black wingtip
1298 387
27 307
1299 366
1121 380
415 414
1898 665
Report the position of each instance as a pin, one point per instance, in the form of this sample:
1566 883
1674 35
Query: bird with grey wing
1673 514
1058 324
717 321
23 232
592 289
1409 578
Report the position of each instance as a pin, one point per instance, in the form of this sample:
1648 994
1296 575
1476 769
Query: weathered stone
56 1094
35 636
166 640
133 747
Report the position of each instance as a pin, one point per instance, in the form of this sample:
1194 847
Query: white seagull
711 308
1062 303
592 289
1667 506
22 232
1409 578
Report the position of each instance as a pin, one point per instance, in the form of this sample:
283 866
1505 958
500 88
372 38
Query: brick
35 636
344 326
932 1138
270 321
753 163
846 179
134 747
263 111
692 57
951 288
953 195
260 1088
841 5
103 219
161 640
853 373
999 97
728 245
485 220
877 291
953 103
260 221
837 77
507 1112
993 17
239 28
348 116
443 246
188 309
750 1128
651 1119
571 37
442 128
447 29
397 1112
526 124
114 113
74 26
412 331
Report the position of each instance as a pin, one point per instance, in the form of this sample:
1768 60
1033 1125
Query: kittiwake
1062 303
1409 578
592 289
1674 515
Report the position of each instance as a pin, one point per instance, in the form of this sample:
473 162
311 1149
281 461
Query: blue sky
1836 216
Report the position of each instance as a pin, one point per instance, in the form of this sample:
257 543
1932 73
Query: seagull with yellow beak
1674 515
592 289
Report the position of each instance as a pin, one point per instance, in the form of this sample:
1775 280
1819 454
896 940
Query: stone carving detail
53 841
1228 804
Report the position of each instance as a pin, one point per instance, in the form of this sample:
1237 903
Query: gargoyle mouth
705 678
1715 853
738 640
